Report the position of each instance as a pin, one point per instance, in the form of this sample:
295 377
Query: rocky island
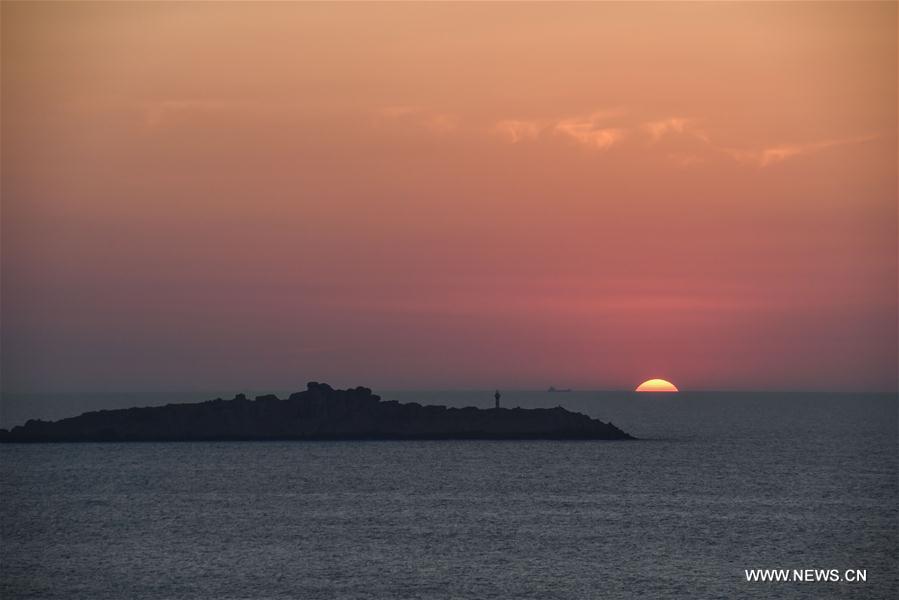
318 413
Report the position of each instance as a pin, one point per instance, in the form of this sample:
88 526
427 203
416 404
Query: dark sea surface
718 483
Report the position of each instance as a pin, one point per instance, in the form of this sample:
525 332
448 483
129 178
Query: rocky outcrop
318 413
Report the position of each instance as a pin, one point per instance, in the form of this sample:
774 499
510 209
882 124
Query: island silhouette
318 413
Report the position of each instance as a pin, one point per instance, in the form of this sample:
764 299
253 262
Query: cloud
589 130
657 129
515 131
601 139
775 154
603 129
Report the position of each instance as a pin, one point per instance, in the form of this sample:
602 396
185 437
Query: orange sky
251 195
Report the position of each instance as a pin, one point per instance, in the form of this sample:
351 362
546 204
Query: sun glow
656 385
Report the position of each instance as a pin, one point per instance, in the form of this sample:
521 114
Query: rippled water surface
717 484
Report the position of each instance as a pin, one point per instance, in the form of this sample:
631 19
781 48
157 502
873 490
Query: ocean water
717 483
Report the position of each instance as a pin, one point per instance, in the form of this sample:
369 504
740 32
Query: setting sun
656 385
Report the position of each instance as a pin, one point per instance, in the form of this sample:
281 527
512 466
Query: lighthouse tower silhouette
496 397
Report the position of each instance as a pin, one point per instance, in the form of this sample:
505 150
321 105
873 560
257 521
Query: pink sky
240 195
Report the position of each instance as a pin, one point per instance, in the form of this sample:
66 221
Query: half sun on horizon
656 385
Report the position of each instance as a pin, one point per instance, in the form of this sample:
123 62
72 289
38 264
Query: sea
717 484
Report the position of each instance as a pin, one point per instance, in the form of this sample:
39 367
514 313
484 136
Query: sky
253 195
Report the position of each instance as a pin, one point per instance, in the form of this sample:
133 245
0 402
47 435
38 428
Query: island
318 413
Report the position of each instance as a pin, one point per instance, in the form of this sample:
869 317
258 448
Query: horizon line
270 390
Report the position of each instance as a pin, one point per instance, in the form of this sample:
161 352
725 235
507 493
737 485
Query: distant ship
553 389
